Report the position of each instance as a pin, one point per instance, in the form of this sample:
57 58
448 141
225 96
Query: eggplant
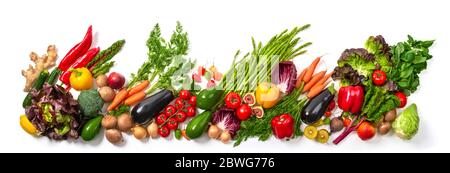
148 108
317 106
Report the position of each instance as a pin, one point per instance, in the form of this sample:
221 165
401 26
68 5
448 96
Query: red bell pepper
77 51
351 98
283 126
80 62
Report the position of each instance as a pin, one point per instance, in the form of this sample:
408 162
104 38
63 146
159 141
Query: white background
216 30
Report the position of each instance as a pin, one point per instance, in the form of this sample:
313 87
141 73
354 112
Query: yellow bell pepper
81 79
267 95
27 125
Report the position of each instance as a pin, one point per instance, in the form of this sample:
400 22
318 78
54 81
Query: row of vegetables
259 96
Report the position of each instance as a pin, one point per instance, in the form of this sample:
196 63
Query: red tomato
170 110
378 77
233 100
192 100
402 98
327 114
163 131
161 118
179 104
190 111
185 94
180 116
172 124
347 122
366 131
243 112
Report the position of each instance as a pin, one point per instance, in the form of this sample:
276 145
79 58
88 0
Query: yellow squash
27 125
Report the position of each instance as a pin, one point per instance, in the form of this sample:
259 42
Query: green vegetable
359 59
409 59
165 59
377 101
178 134
120 110
53 76
261 128
381 50
208 98
256 66
90 103
91 128
198 125
100 63
37 84
406 124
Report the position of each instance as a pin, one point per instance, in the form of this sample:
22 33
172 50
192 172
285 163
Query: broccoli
90 103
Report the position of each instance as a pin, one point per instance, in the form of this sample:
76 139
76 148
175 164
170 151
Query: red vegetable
170 110
402 98
116 80
232 100
80 62
172 124
190 111
192 100
77 51
180 116
366 131
378 77
349 128
179 104
284 75
331 106
163 131
243 112
161 118
185 94
351 98
283 126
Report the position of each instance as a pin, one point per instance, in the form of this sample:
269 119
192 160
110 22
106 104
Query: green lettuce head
406 124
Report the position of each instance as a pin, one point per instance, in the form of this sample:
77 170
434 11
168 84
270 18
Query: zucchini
53 76
36 85
198 125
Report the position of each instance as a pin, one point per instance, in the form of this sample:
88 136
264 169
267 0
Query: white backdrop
216 30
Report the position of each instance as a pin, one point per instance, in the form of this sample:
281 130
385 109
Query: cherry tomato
378 77
192 100
161 118
179 104
170 110
347 122
331 106
190 111
163 131
327 114
172 124
232 100
180 116
185 94
243 112
402 98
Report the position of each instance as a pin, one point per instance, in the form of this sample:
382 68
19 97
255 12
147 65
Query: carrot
316 90
183 133
144 84
120 96
300 78
135 98
324 79
313 81
310 71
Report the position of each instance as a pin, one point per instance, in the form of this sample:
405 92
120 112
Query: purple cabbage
226 119
54 112
284 75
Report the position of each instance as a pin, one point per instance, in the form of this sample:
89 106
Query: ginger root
42 63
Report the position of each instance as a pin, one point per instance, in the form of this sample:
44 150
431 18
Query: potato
101 80
125 122
114 136
109 122
107 93
390 116
384 128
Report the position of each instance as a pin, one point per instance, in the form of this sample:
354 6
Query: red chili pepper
283 126
80 62
351 98
77 51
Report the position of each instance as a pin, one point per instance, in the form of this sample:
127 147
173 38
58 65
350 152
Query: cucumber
208 98
53 76
36 85
198 125
91 128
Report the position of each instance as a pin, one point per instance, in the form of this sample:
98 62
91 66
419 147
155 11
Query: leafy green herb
120 110
409 59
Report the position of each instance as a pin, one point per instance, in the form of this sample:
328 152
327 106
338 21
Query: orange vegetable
120 96
183 133
300 78
324 79
313 81
144 84
135 98
316 90
311 69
